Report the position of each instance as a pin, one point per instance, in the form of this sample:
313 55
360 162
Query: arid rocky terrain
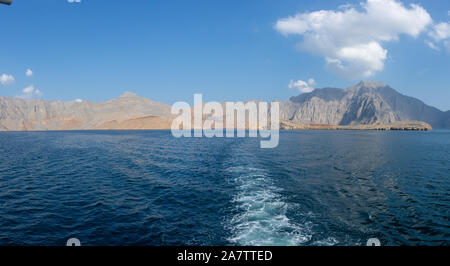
367 105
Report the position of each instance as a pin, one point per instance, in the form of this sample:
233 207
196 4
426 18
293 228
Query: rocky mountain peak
129 95
369 85
364 103
373 84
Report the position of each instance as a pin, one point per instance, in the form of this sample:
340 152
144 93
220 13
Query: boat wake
260 218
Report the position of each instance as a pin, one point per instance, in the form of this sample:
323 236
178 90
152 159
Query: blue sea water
149 188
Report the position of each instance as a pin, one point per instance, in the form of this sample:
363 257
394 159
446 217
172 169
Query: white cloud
351 40
345 6
440 31
302 86
432 45
29 73
29 92
6 79
78 100
74 1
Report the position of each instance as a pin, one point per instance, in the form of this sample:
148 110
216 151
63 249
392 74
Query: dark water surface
148 188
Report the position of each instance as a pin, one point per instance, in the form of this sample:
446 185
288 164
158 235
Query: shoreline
394 126
302 127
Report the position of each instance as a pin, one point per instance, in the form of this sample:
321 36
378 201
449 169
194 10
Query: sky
225 49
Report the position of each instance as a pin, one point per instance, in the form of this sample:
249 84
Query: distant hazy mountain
364 103
126 112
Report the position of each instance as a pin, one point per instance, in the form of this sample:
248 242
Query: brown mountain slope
126 112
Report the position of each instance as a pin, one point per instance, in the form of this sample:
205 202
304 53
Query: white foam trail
331 241
261 218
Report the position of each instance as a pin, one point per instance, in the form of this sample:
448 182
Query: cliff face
365 103
126 112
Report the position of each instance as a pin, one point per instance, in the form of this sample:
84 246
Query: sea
148 188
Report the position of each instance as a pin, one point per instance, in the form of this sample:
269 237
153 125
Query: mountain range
363 104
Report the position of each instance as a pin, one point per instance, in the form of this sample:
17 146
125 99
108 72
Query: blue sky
228 50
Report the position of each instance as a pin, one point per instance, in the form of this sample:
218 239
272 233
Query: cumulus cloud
30 92
302 86
29 72
74 1
440 32
6 79
351 39
78 100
